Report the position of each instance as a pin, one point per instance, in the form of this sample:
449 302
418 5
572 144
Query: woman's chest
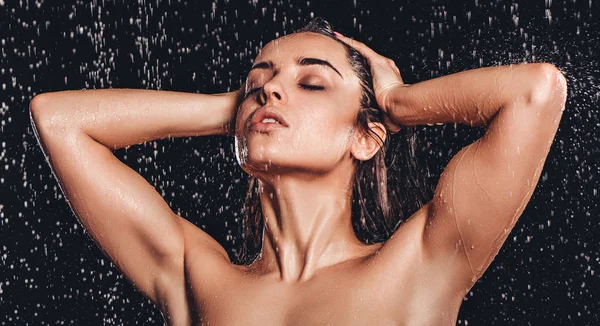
343 299
330 305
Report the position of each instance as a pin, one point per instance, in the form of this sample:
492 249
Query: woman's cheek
325 134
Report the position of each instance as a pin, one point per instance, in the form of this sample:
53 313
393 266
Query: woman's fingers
386 75
363 49
368 53
390 125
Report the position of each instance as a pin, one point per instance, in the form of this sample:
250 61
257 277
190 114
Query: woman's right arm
124 214
118 118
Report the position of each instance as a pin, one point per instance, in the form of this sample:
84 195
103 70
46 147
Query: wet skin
377 286
312 269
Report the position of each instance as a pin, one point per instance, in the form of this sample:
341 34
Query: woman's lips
268 113
264 127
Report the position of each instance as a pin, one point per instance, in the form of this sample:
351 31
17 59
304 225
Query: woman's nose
272 91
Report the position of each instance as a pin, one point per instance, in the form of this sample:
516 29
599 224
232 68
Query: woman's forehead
290 47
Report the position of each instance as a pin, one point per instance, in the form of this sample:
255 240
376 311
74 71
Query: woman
308 120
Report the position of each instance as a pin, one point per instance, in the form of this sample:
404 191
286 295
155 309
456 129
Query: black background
51 272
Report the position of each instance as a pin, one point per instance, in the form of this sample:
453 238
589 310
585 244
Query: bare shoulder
205 264
406 258
404 247
205 259
196 239
208 271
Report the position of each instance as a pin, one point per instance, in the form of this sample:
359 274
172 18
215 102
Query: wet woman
315 111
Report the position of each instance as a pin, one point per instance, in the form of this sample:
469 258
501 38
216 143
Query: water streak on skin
454 210
522 205
477 144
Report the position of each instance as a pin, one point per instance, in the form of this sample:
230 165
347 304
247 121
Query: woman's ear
367 143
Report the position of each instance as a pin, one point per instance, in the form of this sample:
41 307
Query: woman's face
306 82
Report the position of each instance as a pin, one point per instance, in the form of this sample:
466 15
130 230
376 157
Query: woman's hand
386 76
235 99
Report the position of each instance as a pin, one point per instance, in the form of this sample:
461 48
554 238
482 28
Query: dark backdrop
51 272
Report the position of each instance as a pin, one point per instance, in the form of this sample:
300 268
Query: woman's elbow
35 105
42 105
550 87
43 113
36 110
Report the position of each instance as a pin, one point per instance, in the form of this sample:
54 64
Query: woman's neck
307 225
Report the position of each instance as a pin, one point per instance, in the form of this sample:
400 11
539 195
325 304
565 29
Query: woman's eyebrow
262 65
314 61
300 61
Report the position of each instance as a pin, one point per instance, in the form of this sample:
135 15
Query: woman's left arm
475 97
485 187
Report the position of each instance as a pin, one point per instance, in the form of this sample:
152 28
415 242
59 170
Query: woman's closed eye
303 86
312 87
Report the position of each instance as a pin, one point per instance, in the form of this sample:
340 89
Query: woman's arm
118 118
486 186
122 212
472 97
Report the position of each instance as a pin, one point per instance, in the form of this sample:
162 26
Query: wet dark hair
384 193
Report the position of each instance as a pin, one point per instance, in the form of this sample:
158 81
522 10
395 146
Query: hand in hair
386 75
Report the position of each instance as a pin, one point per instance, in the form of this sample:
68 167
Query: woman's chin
258 166
258 157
